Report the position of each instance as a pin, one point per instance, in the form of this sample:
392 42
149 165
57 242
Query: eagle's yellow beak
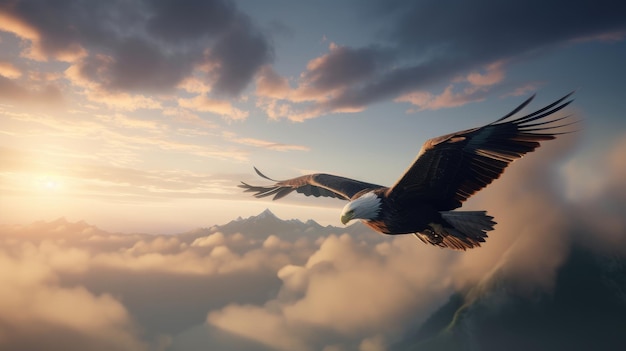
347 217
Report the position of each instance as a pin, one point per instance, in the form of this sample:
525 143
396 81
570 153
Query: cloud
493 74
525 89
270 145
39 47
340 68
376 284
147 46
49 266
199 19
135 55
80 76
596 187
325 77
48 95
239 54
533 234
425 100
8 70
138 65
219 107
271 85
256 323
427 43
121 138
36 312
476 86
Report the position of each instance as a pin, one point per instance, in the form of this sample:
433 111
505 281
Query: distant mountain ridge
267 223
258 227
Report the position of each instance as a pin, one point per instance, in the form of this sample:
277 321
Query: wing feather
318 184
451 168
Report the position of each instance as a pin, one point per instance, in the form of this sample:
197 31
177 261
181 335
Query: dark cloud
239 53
436 40
57 337
181 303
145 45
486 28
189 20
396 82
141 66
63 25
344 66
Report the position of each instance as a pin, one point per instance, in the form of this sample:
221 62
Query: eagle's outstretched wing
451 168
318 184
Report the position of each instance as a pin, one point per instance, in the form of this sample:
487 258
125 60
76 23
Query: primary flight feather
447 171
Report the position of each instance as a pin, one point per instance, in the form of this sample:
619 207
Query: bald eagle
447 171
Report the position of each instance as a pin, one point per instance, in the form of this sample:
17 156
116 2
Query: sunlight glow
49 183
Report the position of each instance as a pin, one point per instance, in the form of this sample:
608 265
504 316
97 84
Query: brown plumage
447 171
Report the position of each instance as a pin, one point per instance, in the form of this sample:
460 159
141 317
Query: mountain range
267 224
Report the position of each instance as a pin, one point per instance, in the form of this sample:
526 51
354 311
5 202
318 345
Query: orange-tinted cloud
493 74
477 83
325 78
124 60
266 144
37 312
271 85
222 108
37 49
9 70
45 96
407 64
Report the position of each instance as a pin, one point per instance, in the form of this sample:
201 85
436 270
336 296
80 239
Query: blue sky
144 115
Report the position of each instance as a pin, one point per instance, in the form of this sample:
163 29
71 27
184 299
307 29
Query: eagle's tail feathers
463 230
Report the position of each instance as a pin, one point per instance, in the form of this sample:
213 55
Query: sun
49 183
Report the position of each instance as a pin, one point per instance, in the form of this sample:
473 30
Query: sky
143 116
136 120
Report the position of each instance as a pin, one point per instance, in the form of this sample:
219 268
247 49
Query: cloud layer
281 285
130 55
426 44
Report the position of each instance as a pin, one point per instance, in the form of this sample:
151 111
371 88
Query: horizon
64 220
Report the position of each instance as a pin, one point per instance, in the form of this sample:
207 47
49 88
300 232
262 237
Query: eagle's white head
365 207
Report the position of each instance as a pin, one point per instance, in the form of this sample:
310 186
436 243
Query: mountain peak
266 214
